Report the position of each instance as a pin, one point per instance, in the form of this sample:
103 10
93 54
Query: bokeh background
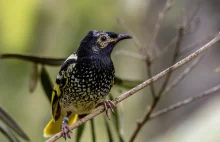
55 28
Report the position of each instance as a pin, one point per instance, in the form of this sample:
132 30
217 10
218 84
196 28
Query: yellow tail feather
54 127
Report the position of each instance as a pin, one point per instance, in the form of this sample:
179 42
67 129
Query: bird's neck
102 62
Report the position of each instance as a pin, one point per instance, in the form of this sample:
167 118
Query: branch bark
156 100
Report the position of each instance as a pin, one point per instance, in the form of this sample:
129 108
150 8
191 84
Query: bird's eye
103 38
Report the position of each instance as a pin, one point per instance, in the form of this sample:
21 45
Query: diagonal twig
129 93
35 59
143 54
182 75
138 44
158 25
196 43
185 102
126 28
156 100
173 41
152 43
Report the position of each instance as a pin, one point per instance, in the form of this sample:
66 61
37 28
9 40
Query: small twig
155 34
35 59
158 25
184 49
140 50
129 93
173 41
165 49
149 73
193 14
152 43
158 97
182 75
185 102
176 53
138 44
126 28
196 43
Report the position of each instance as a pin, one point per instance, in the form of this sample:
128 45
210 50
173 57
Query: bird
83 82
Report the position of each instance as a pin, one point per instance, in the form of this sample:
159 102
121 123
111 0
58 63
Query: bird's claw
65 130
109 105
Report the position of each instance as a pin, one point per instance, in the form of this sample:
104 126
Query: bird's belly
85 90
81 103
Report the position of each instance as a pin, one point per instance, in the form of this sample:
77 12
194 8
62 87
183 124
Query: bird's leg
65 128
108 104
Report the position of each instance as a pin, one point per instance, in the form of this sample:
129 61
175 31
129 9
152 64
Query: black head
99 42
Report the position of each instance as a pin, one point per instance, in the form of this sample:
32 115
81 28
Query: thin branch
182 75
152 43
126 28
146 117
35 59
173 41
176 53
185 102
155 34
182 50
158 25
149 73
196 43
142 53
129 93
136 41
165 49
193 14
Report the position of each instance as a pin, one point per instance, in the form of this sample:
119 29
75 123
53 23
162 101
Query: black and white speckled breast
89 81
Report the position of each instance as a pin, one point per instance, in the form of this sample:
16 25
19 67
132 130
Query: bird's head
99 42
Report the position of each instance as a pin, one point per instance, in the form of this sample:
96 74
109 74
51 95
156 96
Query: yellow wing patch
57 89
56 110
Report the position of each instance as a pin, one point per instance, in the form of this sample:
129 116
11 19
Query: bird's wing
61 82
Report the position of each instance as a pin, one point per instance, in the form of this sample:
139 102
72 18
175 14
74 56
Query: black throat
97 62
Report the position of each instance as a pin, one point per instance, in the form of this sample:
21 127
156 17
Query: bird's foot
108 104
65 128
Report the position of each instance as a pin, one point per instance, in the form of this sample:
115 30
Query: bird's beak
123 36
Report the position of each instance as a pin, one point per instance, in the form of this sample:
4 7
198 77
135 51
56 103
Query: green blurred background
55 28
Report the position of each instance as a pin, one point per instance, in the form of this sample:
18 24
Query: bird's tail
54 127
